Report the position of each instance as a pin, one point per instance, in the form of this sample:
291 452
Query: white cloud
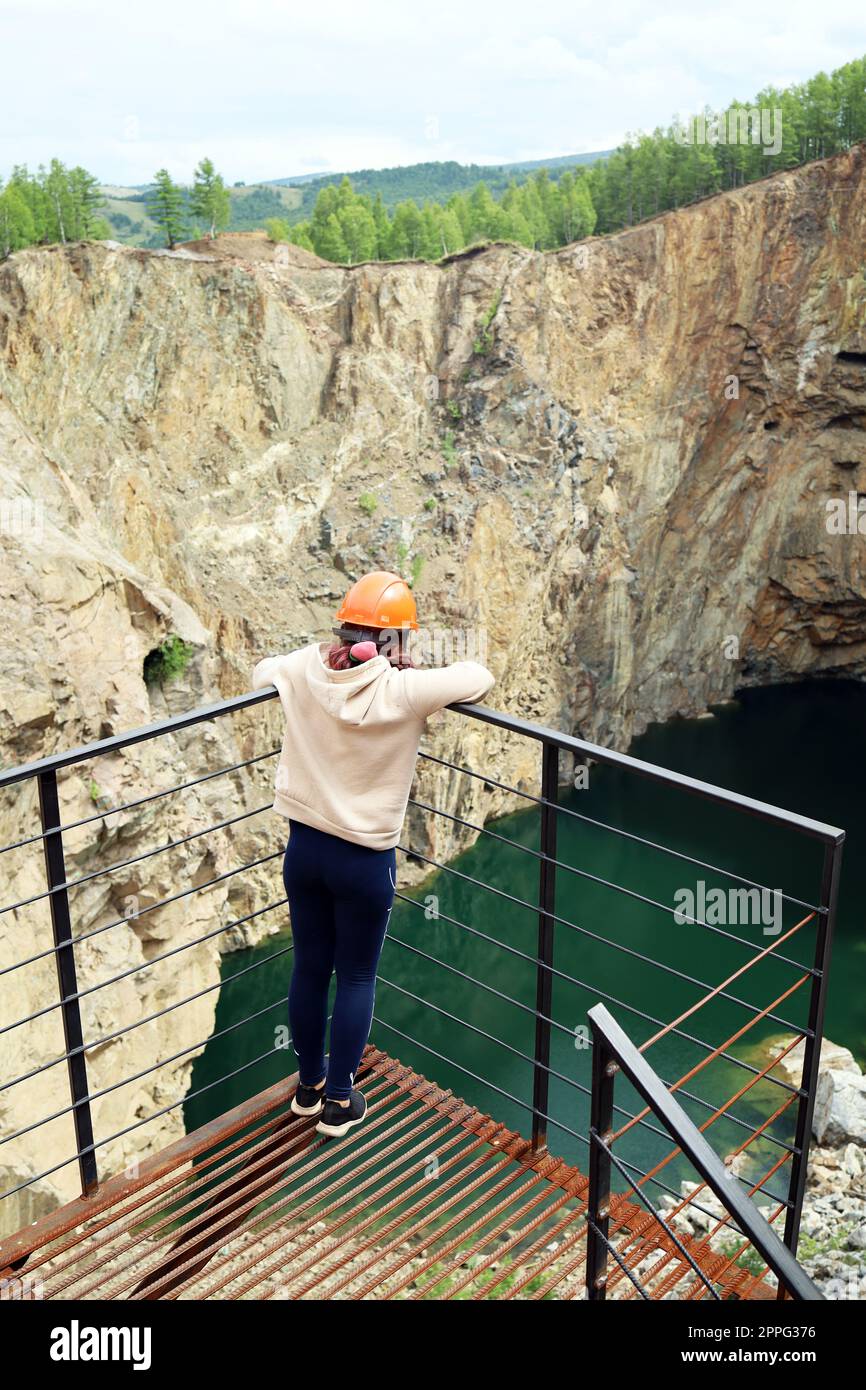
269 89
539 58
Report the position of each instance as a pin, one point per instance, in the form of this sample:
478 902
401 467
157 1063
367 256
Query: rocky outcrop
612 460
840 1106
832 1243
840 1096
833 1228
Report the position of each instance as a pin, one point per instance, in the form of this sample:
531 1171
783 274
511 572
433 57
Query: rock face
612 461
832 1243
833 1228
840 1097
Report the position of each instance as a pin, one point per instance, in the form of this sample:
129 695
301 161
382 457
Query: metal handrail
44 772
86 751
722 796
553 738
613 1050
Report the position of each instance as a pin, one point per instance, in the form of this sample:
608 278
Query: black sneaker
307 1100
338 1119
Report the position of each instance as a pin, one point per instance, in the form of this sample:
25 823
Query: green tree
450 233
300 236
330 243
359 233
346 195
59 202
166 207
533 212
549 201
210 198
484 219
278 229
325 207
577 214
34 195
407 231
17 228
514 225
86 203
431 247
852 99
458 203
383 227
648 174
823 102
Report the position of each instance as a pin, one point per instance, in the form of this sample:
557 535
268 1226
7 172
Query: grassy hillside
293 199
126 211
435 181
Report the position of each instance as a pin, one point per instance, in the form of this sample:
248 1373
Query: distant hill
126 211
293 198
436 180
559 161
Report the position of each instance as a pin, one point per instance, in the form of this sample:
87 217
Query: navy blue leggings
340 897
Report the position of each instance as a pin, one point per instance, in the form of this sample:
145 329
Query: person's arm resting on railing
264 672
462 681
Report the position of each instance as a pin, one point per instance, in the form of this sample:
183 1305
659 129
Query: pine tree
533 212
513 224
548 197
458 203
383 227
166 207
326 205
346 196
59 202
648 174
86 202
210 198
484 217
330 243
823 101
852 96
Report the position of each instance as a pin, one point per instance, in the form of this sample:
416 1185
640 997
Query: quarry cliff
612 460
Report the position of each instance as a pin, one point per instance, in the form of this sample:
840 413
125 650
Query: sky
268 90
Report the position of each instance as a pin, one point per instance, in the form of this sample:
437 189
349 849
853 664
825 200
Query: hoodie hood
345 695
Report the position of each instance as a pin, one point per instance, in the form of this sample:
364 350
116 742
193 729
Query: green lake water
802 747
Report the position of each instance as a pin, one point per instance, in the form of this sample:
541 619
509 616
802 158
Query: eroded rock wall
612 460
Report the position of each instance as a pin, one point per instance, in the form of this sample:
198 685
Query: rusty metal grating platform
429 1199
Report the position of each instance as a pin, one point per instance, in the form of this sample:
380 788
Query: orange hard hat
380 599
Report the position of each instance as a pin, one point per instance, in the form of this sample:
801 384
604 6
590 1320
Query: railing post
61 926
598 1200
614 1051
544 977
812 1050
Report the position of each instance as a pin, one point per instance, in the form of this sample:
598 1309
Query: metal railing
550 928
613 1051
812 977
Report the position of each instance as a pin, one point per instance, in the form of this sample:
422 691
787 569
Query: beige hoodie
351 737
